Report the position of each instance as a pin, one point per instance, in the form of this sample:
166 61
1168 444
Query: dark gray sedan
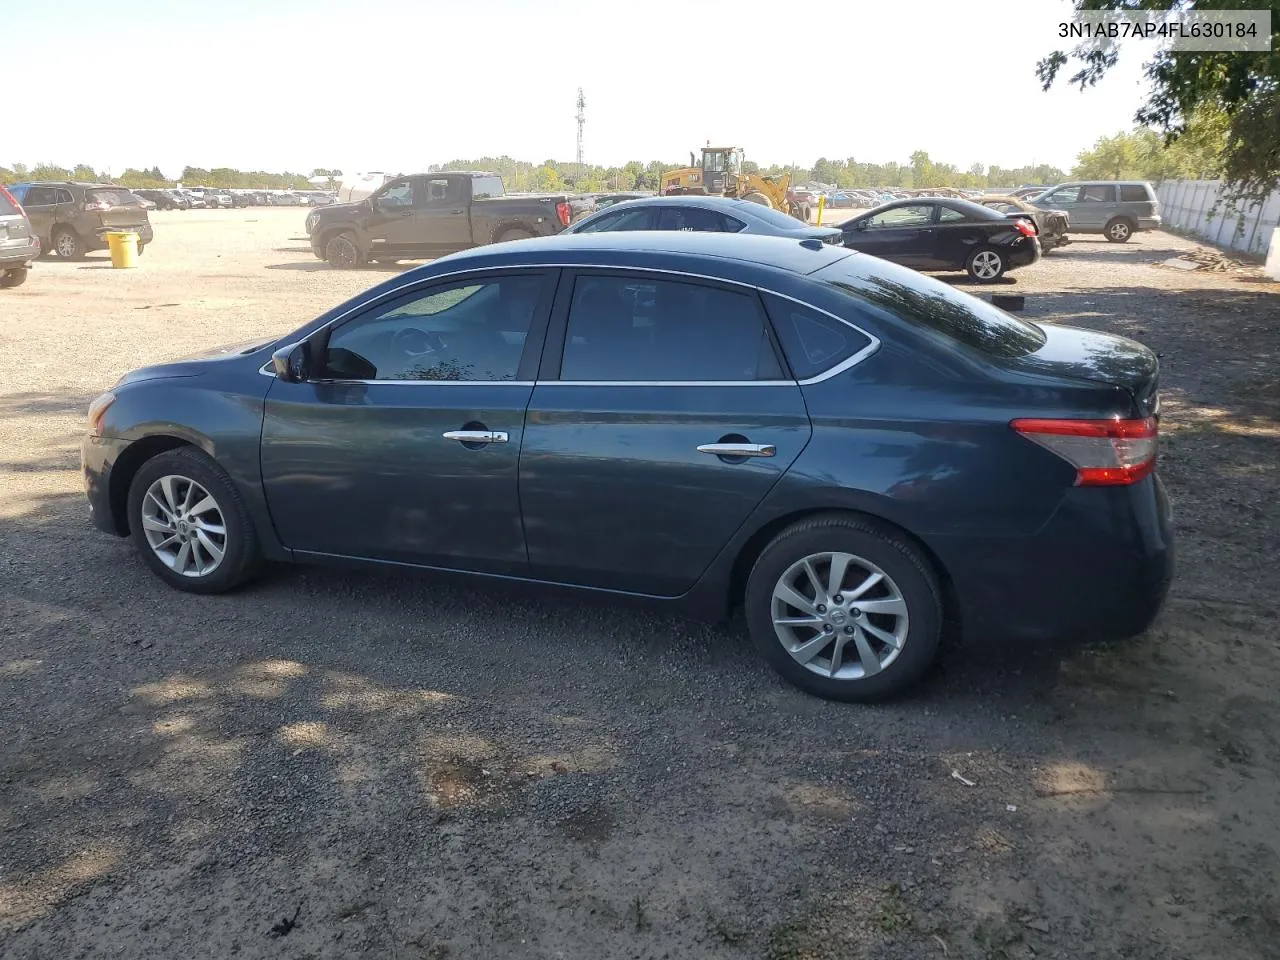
702 215
851 452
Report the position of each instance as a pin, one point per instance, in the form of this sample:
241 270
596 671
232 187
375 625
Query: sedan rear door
661 419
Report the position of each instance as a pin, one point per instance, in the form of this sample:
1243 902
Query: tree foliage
1241 88
1144 154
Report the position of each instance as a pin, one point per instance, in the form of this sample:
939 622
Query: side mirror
293 363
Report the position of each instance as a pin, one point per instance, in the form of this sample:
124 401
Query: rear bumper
1149 223
1025 254
18 255
99 239
1098 570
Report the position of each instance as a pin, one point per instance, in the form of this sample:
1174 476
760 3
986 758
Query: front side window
912 215
468 331
633 329
638 218
397 195
1065 195
40 197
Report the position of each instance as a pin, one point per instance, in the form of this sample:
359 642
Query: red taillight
91 206
564 212
1025 227
1105 453
12 199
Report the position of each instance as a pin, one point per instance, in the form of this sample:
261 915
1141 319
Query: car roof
638 247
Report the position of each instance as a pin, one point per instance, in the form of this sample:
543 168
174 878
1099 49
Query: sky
396 85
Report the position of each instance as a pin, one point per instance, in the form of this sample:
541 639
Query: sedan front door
903 234
660 421
404 444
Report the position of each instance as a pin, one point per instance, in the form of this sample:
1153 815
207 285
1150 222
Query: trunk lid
1099 358
116 207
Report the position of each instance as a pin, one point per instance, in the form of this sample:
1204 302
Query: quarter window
639 218
1134 193
461 332
813 342
631 328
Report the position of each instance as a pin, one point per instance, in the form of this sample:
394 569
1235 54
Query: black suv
72 218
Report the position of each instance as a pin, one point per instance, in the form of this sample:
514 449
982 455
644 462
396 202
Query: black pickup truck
430 214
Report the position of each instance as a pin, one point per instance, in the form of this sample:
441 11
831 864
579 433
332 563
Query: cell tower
582 121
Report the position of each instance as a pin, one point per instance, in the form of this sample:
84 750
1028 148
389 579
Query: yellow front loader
721 176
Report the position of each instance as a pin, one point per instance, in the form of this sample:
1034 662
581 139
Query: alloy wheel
341 252
986 265
1119 231
839 616
66 245
184 526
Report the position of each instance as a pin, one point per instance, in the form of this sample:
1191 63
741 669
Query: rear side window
63 196
814 342
635 328
1097 193
698 219
1135 193
484 188
933 306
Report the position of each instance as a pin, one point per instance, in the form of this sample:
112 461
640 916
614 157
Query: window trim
268 369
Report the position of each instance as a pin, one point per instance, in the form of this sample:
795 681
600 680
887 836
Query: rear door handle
476 436
738 449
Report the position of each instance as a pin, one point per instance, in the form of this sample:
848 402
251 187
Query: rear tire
66 244
189 469
757 197
1119 230
343 251
14 278
880 620
985 265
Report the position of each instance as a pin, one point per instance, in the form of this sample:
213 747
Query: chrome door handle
738 449
476 436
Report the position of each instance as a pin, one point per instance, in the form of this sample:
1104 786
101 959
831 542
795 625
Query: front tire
1118 230
14 278
844 609
343 251
190 524
985 265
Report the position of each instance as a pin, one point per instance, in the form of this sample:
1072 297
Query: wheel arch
126 468
755 544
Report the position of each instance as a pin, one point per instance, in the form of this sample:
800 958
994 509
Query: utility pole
582 121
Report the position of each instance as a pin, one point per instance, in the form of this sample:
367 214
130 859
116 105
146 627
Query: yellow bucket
124 249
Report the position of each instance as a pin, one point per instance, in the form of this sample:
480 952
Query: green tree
1243 86
49 171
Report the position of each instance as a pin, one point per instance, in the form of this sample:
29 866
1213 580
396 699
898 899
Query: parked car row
192 198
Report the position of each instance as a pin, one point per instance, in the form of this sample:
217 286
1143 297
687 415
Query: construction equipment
720 175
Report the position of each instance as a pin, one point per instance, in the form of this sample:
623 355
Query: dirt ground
329 764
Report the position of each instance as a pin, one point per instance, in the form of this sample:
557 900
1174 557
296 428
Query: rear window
486 187
933 306
1134 193
775 218
6 205
117 198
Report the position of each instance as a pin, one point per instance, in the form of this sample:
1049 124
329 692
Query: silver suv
1117 209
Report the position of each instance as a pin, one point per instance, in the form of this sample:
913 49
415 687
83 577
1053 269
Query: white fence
1192 206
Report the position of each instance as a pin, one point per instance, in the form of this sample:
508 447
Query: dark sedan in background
703 215
942 234
852 452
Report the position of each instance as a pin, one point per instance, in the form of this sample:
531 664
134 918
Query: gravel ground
328 763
